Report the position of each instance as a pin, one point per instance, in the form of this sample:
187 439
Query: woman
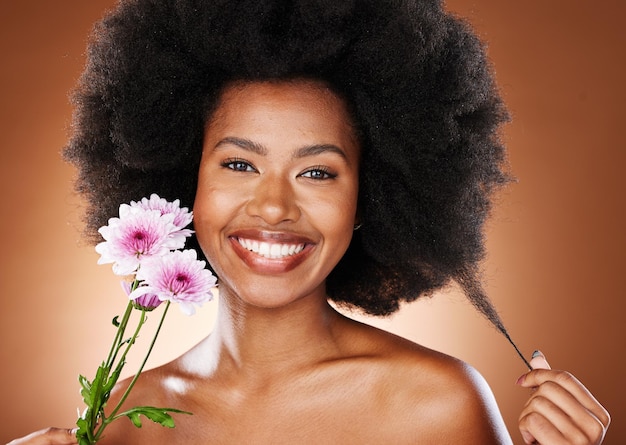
345 152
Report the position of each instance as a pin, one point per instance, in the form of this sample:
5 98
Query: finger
48 436
537 378
560 404
537 429
539 361
552 412
542 373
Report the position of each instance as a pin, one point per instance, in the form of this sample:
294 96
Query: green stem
118 368
133 339
113 415
96 409
117 341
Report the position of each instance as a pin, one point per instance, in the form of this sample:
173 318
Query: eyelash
241 163
243 166
321 170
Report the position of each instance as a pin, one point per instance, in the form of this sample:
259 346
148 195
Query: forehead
305 105
293 90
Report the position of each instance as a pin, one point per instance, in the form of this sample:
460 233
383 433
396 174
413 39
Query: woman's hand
48 436
560 410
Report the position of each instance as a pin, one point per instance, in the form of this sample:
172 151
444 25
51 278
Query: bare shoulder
432 396
415 395
456 402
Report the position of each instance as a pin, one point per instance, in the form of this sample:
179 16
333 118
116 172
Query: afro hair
415 77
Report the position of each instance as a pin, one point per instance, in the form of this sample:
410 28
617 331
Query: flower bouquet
144 244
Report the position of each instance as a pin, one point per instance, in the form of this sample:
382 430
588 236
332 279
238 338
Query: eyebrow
312 150
302 152
246 144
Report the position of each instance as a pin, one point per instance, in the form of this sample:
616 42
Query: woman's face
277 190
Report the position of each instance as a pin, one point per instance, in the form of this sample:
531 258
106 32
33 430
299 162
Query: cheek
214 197
211 202
211 210
337 217
202 225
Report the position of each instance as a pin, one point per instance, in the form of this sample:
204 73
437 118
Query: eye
238 165
319 173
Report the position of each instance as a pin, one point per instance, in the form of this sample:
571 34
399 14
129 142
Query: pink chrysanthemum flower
145 301
178 277
137 234
182 215
143 243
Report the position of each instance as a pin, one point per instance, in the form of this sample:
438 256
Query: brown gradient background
556 239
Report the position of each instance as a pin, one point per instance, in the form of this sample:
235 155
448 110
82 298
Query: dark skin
280 167
347 393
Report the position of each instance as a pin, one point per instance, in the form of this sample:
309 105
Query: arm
48 436
479 415
560 409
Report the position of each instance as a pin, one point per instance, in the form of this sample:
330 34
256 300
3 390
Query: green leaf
84 434
134 417
95 395
157 415
84 382
115 321
82 427
86 390
115 375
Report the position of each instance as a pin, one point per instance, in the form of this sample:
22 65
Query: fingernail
521 379
537 353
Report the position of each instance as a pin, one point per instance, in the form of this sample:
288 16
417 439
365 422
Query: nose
274 200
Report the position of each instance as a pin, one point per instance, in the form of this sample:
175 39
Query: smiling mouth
271 250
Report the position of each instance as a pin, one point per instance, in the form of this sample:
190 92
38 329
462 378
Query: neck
271 341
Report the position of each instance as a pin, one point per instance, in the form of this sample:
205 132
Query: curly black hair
416 79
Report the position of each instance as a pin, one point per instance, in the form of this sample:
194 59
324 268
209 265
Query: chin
266 296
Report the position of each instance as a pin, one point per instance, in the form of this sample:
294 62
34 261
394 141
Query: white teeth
264 249
270 250
275 251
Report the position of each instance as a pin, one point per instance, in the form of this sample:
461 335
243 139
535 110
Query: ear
357 219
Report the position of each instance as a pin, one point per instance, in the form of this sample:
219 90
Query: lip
264 264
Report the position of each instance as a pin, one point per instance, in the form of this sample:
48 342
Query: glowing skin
277 190
274 213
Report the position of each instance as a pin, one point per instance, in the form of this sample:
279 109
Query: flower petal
179 277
